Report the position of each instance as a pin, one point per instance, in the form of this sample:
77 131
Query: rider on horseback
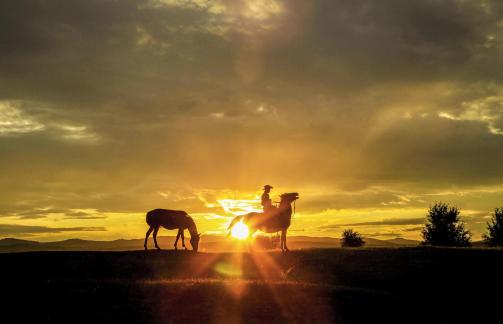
266 200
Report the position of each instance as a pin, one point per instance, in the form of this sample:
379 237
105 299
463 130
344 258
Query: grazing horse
272 221
172 219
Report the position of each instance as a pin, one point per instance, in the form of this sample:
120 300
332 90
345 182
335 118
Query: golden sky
371 110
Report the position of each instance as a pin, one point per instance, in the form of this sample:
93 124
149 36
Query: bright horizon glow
240 231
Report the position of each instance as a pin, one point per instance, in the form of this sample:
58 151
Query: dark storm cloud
93 50
7 229
105 104
354 45
82 53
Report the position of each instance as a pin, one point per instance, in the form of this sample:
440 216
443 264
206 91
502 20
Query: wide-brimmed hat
267 187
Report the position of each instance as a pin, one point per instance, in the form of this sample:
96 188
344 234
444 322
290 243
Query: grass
392 285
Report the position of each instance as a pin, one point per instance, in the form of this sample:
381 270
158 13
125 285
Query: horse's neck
191 226
285 206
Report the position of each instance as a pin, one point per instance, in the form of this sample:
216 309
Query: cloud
413 229
487 110
9 229
13 121
76 133
384 222
389 221
386 234
40 212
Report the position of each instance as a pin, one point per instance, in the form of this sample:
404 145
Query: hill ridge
210 243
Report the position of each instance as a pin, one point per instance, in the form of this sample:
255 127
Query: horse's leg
146 237
176 240
155 238
284 242
283 238
183 240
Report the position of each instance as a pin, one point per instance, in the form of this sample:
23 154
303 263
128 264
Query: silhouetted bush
494 236
351 238
444 227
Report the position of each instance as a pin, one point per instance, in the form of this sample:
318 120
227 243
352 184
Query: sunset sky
371 110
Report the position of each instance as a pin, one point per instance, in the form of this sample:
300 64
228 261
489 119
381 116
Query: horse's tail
233 222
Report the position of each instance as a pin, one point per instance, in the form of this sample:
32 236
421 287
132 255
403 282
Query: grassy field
388 285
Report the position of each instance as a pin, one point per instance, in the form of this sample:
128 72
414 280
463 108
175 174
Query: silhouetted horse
172 219
275 220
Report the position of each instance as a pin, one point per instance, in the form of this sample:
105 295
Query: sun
240 231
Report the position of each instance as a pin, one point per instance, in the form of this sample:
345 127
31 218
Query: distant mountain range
209 243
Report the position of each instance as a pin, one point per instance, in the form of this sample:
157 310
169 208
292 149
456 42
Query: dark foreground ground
401 285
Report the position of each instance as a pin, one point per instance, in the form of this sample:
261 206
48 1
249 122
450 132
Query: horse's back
167 218
271 221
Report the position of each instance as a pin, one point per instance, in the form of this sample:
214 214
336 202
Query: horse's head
289 197
194 241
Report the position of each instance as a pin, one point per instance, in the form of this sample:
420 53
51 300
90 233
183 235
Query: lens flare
240 231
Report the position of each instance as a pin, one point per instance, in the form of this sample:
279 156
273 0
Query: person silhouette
265 199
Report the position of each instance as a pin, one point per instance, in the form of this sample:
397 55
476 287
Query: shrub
351 238
444 227
494 236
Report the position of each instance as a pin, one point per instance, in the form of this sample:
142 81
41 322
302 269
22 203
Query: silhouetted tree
444 227
494 236
351 238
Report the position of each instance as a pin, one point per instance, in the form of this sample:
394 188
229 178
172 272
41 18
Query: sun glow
262 9
240 231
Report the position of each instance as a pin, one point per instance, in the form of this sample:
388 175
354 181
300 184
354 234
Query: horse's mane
286 195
